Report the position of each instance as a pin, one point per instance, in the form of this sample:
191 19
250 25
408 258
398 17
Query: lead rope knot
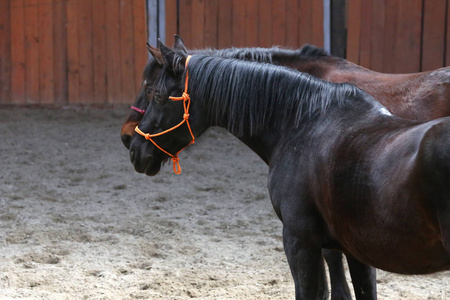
176 165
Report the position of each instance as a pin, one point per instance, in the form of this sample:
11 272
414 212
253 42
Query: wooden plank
73 59
238 24
127 51
171 19
185 22
365 56
211 23
377 35
46 76
390 35
85 51
305 23
265 23
251 23
113 57
5 50
292 24
353 30
224 31
99 51
407 44
317 22
140 37
278 22
18 55
32 51
198 24
59 52
433 43
447 46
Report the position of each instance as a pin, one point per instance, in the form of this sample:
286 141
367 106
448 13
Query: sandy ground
77 222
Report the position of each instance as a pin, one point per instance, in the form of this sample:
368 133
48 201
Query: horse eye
148 90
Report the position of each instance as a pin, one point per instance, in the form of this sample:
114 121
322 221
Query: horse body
416 96
343 172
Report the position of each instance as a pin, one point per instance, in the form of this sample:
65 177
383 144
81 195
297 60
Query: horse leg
364 279
339 286
307 267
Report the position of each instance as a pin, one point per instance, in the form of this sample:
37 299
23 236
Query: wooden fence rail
93 51
71 51
399 36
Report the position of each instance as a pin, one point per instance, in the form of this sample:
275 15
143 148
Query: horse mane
313 51
247 95
258 54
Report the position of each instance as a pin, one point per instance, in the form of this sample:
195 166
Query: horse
363 277
420 96
344 173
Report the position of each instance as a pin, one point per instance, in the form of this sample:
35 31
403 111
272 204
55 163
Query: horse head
167 126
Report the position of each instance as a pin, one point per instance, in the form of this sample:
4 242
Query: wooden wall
399 36
245 23
71 51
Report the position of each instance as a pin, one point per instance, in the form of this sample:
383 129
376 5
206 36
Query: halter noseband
186 104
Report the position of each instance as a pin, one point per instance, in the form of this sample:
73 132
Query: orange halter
186 103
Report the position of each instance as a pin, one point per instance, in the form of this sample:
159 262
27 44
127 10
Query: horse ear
179 44
155 53
167 54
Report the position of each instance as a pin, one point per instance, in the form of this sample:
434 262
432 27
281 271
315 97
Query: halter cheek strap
186 104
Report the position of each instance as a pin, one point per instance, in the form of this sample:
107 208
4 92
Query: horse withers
344 173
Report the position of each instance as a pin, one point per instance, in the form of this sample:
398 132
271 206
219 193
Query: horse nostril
126 140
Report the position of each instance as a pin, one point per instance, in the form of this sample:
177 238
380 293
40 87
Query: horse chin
152 167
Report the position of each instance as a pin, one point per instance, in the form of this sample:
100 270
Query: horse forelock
246 95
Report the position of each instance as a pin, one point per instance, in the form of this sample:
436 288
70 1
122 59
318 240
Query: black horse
363 277
344 173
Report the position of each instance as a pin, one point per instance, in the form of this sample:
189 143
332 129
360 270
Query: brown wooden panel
365 56
113 70
238 27
32 51
265 24
127 51
171 18
211 23
390 35
353 30
140 38
46 77
407 44
99 50
59 51
5 52
305 22
18 55
317 22
198 24
251 23
377 35
278 22
447 46
73 59
433 46
224 26
185 22
292 23
85 51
